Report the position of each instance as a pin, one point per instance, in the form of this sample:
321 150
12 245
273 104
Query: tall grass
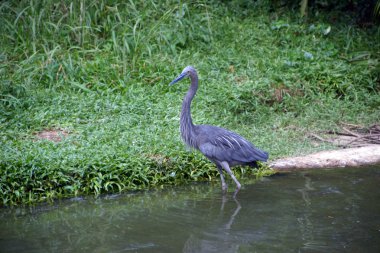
99 70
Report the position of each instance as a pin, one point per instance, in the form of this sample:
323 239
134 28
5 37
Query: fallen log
350 157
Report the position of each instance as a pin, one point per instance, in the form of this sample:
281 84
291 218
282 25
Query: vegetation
98 72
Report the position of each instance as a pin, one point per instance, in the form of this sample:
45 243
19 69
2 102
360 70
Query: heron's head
189 71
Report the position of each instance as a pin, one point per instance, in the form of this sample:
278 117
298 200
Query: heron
222 147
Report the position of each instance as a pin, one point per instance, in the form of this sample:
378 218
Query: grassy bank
99 72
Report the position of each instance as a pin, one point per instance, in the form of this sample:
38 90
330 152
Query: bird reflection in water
219 238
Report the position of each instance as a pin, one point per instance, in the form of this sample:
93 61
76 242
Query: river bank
85 106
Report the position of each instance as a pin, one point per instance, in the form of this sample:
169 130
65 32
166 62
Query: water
318 211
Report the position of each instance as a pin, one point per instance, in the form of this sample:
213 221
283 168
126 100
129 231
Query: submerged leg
227 168
224 185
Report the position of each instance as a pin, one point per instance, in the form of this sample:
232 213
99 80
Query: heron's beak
179 78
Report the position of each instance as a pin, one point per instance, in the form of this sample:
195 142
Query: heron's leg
227 168
220 169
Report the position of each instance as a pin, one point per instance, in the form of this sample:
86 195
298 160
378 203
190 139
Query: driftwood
350 157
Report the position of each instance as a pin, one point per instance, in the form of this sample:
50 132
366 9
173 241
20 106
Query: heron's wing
229 146
230 140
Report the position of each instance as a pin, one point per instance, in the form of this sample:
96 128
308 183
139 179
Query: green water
317 211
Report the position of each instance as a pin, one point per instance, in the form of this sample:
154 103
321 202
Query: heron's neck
186 122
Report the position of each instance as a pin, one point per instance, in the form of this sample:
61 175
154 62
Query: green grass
100 71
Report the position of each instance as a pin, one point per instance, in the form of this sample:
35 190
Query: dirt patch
55 135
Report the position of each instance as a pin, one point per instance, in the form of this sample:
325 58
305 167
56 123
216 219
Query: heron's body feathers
219 145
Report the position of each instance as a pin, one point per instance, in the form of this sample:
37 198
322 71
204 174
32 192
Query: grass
100 71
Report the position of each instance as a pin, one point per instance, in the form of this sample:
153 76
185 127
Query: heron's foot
235 193
224 187
238 187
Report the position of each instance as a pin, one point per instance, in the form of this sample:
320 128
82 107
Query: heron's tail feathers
259 155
